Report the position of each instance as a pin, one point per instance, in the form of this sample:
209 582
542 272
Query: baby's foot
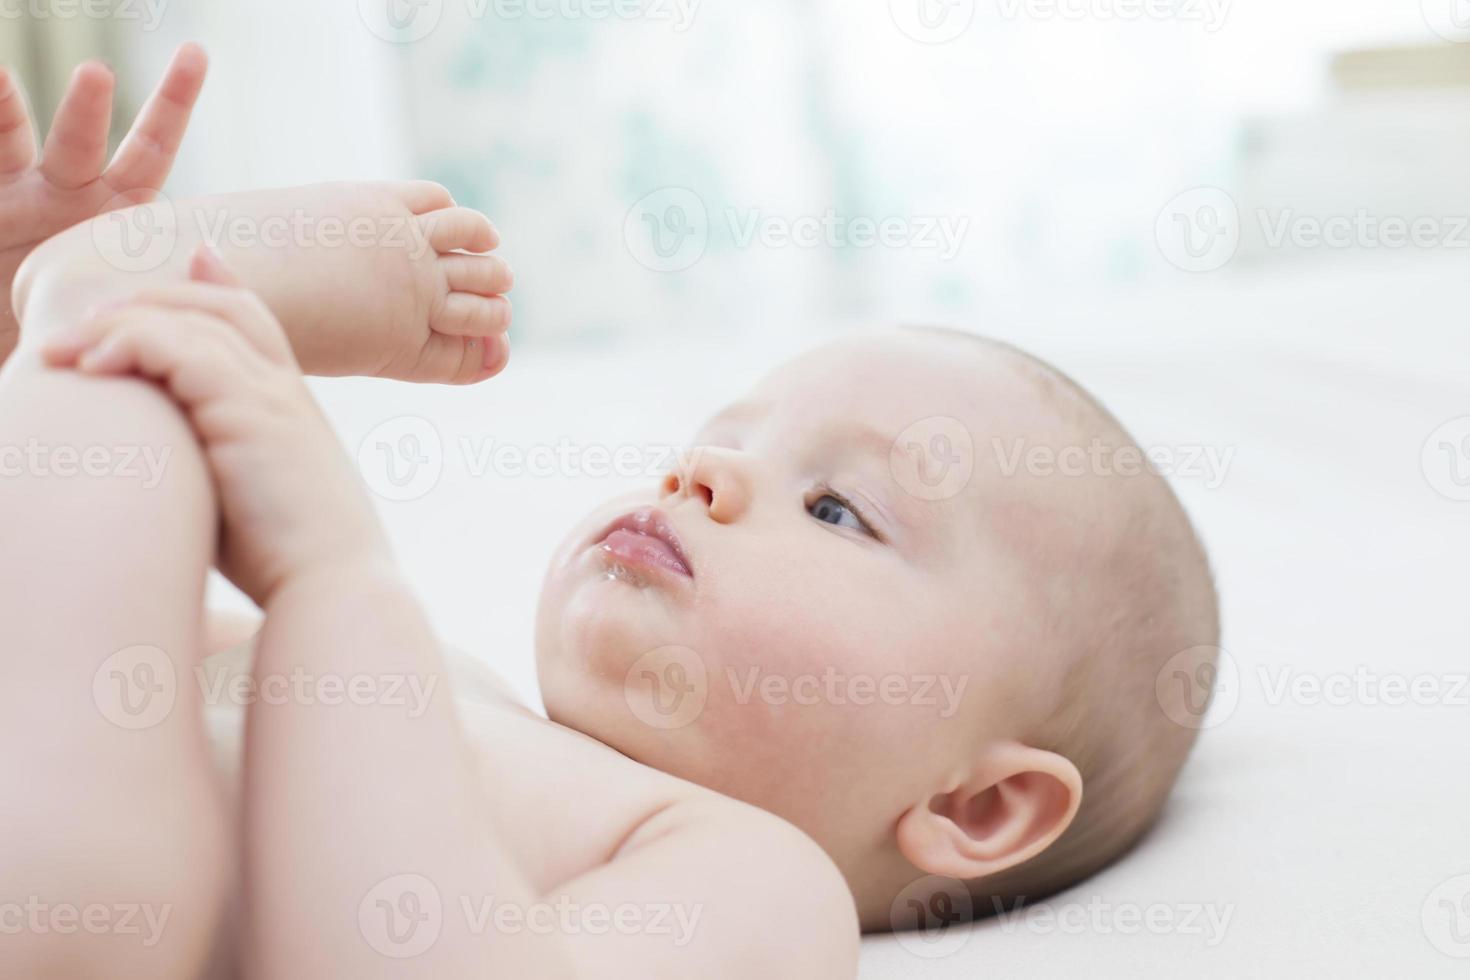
402 297
367 278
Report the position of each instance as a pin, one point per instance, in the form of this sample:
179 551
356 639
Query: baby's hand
289 500
67 184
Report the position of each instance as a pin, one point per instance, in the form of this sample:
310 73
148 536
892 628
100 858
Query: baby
849 668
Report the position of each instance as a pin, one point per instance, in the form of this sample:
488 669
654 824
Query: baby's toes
487 275
471 315
461 360
456 229
420 196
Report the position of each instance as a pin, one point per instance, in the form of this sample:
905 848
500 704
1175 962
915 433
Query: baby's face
829 592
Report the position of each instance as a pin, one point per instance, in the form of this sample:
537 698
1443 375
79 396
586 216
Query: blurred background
705 167
1245 224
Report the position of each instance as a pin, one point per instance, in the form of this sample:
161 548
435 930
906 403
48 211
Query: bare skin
433 311
485 799
406 298
72 616
70 180
300 539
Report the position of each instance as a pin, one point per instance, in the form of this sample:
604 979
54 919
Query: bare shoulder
775 903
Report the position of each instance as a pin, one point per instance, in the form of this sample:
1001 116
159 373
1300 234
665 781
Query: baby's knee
100 472
115 904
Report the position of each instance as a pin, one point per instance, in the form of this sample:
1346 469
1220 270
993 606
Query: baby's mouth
645 539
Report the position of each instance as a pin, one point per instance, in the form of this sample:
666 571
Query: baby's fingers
76 146
240 308
17 139
147 154
198 358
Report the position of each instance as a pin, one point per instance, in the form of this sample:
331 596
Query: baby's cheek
781 653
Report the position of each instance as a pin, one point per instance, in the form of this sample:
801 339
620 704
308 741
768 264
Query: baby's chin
598 607
593 627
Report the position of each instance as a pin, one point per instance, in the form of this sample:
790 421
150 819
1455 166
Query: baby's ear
1014 804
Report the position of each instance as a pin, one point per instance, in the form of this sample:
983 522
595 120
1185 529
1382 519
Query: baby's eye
831 509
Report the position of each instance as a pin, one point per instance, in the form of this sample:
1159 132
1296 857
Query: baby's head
868 604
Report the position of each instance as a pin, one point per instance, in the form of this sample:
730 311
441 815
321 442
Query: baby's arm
363 817
730 892
338 797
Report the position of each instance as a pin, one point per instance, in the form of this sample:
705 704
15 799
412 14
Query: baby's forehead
954 420
895 380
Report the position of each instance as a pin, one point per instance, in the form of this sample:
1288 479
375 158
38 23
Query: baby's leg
365 277
115 847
